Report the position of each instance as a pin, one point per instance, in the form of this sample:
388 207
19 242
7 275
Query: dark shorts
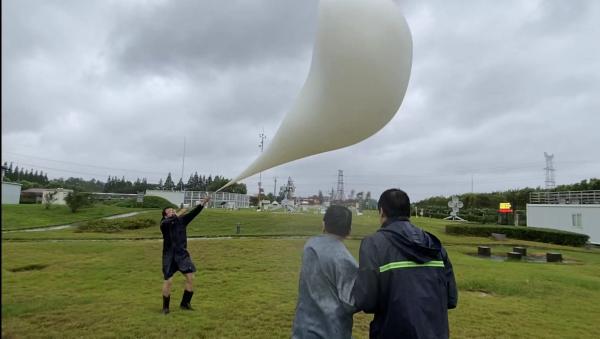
185 266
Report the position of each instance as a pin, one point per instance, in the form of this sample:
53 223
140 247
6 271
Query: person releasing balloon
175 256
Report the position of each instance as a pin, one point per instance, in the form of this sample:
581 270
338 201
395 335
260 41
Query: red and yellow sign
505 207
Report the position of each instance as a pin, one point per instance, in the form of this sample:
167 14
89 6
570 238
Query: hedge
149 202
523 233
114 226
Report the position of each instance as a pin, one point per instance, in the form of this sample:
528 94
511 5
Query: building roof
42 190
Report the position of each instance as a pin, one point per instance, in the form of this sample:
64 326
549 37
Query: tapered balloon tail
358 77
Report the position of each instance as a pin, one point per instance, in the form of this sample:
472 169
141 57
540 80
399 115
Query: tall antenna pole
262 137
550 183
275 188
182 164
471 183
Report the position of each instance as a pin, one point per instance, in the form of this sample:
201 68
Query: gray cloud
210 36
112 88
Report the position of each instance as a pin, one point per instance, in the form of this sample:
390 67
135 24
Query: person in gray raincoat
325 307
175 256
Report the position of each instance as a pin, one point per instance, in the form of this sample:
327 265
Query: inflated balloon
358 77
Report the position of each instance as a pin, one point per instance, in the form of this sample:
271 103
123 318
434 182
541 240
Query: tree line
31 178
18 174
518 198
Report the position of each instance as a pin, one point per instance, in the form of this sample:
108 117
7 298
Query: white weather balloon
358 77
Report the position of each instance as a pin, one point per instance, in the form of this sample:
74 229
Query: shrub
76 200
114 226
523 233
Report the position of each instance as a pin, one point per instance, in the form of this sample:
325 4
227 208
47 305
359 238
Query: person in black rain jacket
175 256
405 276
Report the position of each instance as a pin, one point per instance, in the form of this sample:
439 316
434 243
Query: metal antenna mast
550 183
340 186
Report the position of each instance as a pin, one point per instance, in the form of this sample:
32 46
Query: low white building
41 194
174 197
11 193
192 198
577 212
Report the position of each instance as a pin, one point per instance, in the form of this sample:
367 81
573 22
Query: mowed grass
218 223
247 288
15 217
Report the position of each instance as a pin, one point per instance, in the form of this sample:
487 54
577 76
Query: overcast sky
98 88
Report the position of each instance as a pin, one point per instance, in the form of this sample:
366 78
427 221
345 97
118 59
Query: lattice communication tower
550 182
340 186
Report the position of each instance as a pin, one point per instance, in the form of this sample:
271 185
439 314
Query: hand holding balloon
204 200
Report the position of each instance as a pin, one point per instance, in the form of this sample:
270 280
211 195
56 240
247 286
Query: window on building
576 217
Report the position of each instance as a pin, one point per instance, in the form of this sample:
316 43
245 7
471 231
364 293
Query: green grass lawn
247 287
15 217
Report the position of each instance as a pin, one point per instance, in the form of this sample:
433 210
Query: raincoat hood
418 245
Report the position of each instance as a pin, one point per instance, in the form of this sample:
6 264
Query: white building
40 194
11 193
577 212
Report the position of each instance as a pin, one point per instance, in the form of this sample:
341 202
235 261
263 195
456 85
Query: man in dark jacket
175 256
405 276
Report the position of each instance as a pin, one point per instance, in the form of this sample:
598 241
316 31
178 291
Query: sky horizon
98 88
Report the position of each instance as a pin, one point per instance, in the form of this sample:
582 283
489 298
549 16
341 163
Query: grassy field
15 217
247 287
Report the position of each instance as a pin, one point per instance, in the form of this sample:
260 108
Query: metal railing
220 199
566 197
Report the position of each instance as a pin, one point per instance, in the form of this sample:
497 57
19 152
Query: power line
84 165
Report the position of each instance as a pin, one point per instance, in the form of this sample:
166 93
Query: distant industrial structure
339 196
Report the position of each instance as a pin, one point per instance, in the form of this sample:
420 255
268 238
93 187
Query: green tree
169 184
77 200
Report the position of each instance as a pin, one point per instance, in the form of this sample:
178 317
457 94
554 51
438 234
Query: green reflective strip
410 264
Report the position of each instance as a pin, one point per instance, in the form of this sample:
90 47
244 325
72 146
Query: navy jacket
175 256
405 278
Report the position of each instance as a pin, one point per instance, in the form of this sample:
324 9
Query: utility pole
182 164
471 183
275 188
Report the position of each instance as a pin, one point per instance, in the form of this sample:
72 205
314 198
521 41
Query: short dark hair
394 203
338 220
164 212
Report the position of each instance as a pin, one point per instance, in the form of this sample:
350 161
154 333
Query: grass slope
15 217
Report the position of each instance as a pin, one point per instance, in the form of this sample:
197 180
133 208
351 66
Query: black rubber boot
166 301
185 300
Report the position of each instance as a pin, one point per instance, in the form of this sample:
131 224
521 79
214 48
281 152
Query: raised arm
188 217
